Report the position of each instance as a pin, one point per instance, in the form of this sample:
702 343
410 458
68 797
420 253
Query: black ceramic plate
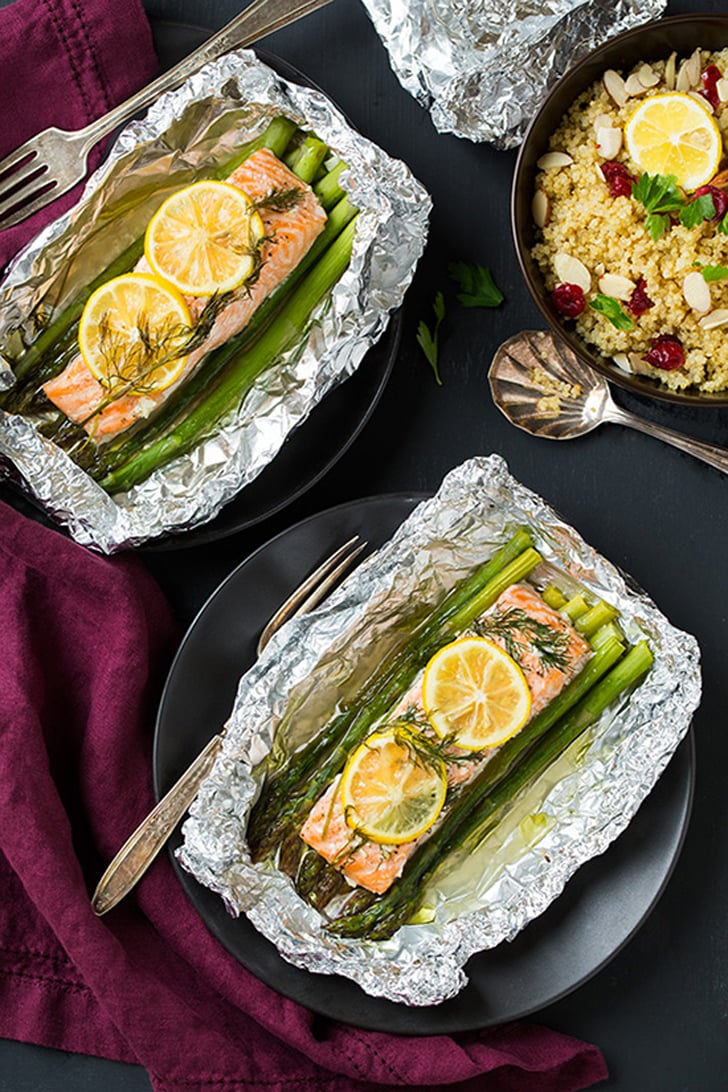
312 449
601 908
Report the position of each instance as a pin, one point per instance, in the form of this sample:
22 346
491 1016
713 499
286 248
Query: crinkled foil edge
482 69
390 236
589 806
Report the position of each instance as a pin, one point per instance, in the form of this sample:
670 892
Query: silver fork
140 849
49 164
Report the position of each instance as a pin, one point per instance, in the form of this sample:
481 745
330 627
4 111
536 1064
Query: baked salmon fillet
520 622
289 235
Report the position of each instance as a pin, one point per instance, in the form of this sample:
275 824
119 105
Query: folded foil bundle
569 814
184 136
482 68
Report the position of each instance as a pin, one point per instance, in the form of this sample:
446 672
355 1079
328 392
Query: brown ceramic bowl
652 42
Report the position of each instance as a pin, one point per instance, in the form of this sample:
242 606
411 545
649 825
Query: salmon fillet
289 234
376 867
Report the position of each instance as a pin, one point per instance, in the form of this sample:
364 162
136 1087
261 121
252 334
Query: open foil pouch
482 68
184 137
569 814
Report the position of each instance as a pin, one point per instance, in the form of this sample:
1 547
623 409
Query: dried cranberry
568 299
666 352
709 90
639 301
720 200
617 178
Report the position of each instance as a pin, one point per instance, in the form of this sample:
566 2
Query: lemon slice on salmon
205 238
674 134
475 694
133 334
390 793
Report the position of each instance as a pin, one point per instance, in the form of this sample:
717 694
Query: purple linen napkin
85 643
65 63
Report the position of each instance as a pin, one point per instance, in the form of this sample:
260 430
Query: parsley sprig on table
478 289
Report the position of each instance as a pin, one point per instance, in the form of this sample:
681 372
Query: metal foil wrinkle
568 816
483 67
184 135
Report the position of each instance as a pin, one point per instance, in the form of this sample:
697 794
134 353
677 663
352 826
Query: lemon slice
674 134
204 238
389 793
133 333
475 693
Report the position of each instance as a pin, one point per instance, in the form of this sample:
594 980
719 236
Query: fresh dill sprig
280 200
520 633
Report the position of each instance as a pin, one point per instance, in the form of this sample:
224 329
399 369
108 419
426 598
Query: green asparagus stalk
553 598
47 356
598 615
327 189
575 607
312 154
483 807
290 791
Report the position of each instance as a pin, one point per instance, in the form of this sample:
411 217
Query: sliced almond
639 365
670 72
696 292
609 142
570 270
552 160
622 361
682 80
722 89
603 121
720 180
620 288
541 208
633 86
615 86
693 67
702 100
647 76
719 317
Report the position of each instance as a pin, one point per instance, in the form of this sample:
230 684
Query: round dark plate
601 908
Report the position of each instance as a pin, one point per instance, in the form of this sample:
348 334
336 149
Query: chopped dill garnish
521 633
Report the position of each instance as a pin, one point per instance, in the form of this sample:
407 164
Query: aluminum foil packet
483 67
568 815
183 137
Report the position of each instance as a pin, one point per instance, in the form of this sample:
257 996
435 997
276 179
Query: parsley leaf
477 284
723 225
612 310
429 340
660 196
699 209
714 272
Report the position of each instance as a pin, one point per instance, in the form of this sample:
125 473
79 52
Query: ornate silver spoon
541 386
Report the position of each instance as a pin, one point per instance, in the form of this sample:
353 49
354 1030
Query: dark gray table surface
659 1009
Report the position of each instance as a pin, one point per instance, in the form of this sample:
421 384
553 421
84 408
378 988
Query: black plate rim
404 1024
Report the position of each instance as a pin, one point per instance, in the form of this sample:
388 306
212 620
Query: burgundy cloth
85 643
64 63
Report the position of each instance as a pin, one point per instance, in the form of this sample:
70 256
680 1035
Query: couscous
631 209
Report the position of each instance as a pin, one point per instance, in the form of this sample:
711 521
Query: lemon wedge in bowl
673 134
475 694
133 334
204 239
392 790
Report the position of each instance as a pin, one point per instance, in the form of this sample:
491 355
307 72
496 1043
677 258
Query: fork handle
260 18
140 849
708 453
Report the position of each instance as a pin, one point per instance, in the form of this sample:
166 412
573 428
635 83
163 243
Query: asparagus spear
478 811
290 791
